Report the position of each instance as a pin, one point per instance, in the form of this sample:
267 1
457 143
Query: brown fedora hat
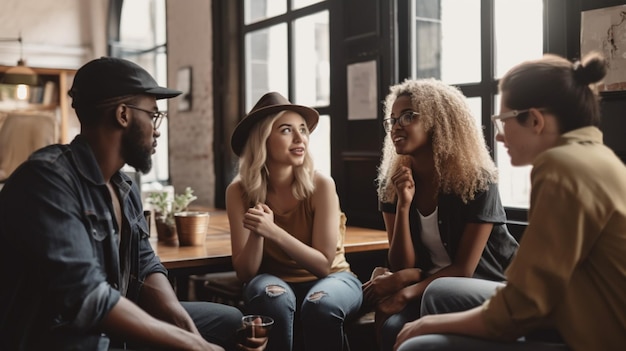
269 104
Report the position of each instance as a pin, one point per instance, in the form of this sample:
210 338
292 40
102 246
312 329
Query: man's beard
134 153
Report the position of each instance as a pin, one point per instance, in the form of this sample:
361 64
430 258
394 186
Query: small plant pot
191 227
166 233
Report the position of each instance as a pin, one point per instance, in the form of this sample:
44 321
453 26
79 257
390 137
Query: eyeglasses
403 120
157 116
497 119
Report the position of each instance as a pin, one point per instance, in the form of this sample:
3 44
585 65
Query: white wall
55 33
69 33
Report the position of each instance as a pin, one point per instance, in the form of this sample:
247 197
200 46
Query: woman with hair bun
569 274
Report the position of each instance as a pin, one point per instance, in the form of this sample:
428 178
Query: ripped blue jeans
315 310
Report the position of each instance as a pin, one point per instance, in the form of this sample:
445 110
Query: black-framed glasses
157 116
403 120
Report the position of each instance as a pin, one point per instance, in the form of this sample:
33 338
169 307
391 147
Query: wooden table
215 254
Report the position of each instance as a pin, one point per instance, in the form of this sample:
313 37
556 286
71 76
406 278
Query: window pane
138 23
513 46
475 104
266 62
257 10
447 40
518 32
296 4
319 145
311 60
514 182
142 34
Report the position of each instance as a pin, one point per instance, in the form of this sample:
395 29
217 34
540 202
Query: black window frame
554 41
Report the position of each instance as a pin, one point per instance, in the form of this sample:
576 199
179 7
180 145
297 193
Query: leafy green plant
165 208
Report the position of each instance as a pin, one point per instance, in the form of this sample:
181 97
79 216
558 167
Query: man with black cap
78 271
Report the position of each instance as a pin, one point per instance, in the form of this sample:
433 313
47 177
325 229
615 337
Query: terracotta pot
191 227
166 233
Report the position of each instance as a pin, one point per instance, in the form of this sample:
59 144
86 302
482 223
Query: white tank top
432 241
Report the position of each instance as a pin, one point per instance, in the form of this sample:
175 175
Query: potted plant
165 207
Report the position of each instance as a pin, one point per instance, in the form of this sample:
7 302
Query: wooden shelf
62 79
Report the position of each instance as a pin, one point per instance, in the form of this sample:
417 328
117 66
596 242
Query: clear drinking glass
254 330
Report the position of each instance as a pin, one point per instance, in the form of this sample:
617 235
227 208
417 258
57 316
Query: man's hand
254 344
203 345
158 299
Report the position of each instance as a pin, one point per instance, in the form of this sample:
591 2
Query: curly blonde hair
463 165
254 175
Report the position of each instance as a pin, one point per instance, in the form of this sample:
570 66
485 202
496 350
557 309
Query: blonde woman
439 200
287 230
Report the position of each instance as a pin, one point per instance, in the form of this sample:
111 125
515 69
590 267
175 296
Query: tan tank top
299 223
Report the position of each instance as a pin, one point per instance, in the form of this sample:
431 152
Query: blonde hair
463 165
253 173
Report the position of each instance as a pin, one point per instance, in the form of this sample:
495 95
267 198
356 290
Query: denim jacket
453 215
63 262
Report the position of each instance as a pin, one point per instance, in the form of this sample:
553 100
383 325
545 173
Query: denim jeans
316 309
451 294
438 298
216 323
392 326
441 342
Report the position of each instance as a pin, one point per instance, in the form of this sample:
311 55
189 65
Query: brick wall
191 157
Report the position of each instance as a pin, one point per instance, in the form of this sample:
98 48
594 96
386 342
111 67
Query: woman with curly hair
287 230
569 274
439 200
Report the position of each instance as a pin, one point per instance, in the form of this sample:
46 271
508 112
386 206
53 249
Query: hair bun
591 70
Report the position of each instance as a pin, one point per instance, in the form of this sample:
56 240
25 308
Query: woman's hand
381 286
253 337
387 283
387 307
470 323
412 329
405 185
260 219
393 304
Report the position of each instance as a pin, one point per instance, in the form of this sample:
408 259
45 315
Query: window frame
288 17
116 49
554 41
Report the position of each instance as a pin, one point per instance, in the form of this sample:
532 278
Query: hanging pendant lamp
20 74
